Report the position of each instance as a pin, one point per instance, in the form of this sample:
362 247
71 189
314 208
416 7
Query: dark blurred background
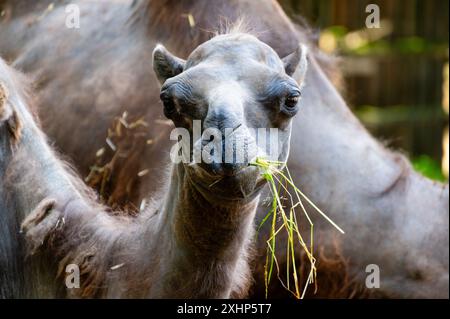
396 77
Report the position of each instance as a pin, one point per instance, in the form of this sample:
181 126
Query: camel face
239 93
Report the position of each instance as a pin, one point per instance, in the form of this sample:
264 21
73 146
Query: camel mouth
242 184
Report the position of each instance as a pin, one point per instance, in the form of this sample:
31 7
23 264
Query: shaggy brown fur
36 185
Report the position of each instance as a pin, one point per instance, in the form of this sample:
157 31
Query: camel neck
208 242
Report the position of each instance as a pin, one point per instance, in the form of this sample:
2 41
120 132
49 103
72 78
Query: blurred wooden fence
396 79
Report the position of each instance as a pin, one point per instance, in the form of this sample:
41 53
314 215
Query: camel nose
231 139
226 154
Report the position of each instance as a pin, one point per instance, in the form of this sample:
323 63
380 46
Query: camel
371 191
196 241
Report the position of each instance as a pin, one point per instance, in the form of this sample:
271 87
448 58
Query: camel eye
169 105
290 103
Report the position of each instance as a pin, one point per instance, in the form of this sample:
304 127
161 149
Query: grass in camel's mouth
280 181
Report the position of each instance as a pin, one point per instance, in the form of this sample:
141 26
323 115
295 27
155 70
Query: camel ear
296 62
165 64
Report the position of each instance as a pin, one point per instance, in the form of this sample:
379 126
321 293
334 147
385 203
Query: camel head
240 94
